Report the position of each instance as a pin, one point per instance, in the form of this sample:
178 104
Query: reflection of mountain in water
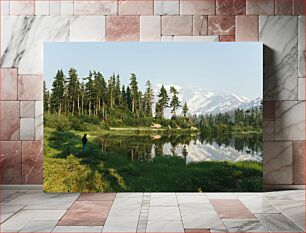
195 147
211 152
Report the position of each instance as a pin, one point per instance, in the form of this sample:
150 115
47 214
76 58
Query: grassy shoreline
67 169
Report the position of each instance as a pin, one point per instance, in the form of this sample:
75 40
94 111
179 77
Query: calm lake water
194 147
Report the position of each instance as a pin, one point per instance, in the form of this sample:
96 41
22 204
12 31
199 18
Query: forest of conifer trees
112 102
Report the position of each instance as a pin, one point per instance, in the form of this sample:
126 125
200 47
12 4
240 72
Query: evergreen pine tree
134 93
148 99
128 98
89 92
162 102
185 109
73 90
46 98
58 91
175 102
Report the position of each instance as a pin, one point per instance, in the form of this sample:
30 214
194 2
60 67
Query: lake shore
68 169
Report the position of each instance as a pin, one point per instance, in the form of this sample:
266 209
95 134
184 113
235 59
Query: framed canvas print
153 117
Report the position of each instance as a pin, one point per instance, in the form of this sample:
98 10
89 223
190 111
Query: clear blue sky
222 67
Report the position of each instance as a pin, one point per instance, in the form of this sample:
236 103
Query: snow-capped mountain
204 102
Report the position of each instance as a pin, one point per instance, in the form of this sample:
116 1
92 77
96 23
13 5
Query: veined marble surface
277 163
290 120
22 40
279 34
301 46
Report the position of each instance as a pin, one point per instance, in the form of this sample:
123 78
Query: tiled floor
35 211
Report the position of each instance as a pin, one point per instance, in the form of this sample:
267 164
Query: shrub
104 125
59 122
89 119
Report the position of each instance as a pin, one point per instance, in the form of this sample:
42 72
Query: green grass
67 169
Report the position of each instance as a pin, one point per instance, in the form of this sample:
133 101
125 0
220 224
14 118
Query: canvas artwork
153 117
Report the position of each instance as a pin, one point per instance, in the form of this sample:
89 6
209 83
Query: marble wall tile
269 110
298 7
230 7
301 89
301 47
227 38
277 163
122 28
32 162
39 120
283 7
55 8
166 7
150 28
10 162
135 7
8 84
22 7
30 87
176 25
190 38
9 120
260 7
5 7
299 162
290 120
87 28
66 7
279 35
42 7
247 28
107 7
27 129
269 130
27 109
203 7
22 40
200 25
221 25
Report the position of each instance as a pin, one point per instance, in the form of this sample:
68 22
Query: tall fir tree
111 92
128 98
46 99
185 109
148 99
134 93
117 91
162 102
175 102
89 93
58 91
73 90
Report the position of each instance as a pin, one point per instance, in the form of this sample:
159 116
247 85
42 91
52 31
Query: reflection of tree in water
184 151
253 142
144 147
